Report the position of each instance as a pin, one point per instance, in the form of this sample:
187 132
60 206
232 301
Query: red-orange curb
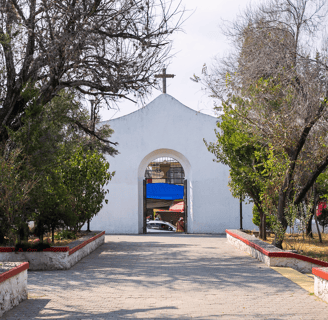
320 273
14 271
85 243
59 249
278 254
56 249
7 249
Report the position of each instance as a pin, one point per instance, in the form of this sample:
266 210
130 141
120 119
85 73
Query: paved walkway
166 277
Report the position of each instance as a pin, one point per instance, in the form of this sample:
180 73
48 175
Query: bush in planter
65 234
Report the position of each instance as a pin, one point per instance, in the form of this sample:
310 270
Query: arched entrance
164 195
166 174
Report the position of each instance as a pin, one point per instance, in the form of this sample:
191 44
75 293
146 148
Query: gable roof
162 101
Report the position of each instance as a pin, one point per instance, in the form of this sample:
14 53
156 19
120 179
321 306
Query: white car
159 226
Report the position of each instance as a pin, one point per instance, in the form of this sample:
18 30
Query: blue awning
164 191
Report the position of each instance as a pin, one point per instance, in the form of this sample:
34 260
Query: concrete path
166 277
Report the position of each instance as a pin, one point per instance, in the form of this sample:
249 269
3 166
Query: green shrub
65 234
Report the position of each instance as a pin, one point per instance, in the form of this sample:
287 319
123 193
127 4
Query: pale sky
200 42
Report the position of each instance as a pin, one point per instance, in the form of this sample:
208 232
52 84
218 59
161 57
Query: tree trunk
53 234
2 237
279 238
315 207
262 226
261 222
264 236
309 232
319 233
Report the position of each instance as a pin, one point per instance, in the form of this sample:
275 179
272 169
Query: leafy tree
109 49
321 186
278 75
16 182
51 140
56 124
51 203
72 192
246 158
85 174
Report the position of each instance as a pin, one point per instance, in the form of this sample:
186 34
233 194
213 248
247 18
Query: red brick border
14 271
56 249
278 254
84 243
320 273
7 249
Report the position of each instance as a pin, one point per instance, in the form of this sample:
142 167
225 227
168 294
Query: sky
198 44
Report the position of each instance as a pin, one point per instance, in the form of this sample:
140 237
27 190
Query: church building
163 160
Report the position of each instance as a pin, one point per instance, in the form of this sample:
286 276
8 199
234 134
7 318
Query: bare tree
276 80
104 48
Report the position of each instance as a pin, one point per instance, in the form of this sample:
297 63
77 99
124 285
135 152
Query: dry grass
63 242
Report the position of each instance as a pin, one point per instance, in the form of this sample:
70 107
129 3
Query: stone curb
58 249
84 243
13 287
58 258
321 272
321 283
273 256
14 271
52 249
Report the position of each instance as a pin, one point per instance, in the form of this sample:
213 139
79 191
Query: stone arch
141 174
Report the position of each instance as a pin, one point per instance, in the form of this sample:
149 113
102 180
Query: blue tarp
164 191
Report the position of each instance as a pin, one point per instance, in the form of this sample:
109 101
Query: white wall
13 291
165 127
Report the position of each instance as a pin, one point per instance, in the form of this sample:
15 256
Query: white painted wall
321 286
165 127
13 291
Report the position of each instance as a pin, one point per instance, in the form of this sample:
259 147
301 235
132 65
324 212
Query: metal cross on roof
164 76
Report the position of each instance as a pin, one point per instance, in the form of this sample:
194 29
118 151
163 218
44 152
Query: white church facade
167 128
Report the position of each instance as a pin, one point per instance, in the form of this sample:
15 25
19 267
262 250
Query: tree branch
91 132
319 169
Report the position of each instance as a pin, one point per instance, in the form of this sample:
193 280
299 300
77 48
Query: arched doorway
171 168
165 199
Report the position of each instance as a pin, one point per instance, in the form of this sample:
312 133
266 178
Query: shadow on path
179 266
